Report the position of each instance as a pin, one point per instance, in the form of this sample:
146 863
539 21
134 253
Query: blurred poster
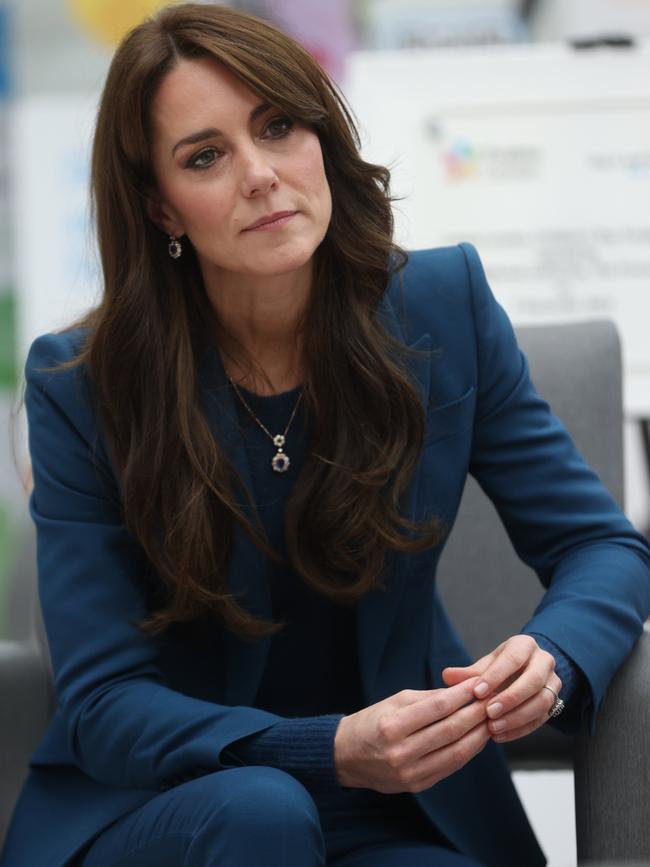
538 155
324 29
394 24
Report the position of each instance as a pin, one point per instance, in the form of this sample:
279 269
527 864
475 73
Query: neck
260 329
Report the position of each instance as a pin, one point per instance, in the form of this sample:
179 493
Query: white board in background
538 154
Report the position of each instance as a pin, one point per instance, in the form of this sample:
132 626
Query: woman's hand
512 679
411 740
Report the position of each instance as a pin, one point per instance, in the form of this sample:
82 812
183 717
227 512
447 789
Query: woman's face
222 160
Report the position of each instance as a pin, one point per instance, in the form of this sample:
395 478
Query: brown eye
280 126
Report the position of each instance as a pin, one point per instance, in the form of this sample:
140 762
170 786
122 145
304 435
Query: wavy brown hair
179 487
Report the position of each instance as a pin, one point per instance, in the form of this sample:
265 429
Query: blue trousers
254 816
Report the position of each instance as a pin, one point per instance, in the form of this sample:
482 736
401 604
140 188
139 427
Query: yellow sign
110 20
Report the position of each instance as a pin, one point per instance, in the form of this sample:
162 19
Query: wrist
341 753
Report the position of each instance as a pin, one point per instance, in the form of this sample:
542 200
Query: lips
269 218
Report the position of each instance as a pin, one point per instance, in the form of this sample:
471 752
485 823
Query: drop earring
175 248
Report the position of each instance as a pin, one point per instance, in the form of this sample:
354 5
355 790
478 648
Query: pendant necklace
280 461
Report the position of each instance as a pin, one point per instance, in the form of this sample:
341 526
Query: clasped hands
415 738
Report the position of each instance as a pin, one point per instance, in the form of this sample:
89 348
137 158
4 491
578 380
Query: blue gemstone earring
175 248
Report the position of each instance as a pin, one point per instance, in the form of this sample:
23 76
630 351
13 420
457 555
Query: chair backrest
577 369
26 684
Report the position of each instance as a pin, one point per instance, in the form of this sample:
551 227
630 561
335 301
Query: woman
245 459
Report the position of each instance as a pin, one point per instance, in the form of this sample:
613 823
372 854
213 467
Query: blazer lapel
378 609
245 660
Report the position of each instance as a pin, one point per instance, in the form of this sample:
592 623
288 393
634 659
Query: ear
162 214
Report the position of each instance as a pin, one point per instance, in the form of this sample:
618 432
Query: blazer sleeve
125 726
560 518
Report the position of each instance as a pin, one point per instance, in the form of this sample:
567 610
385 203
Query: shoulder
52 348
51 388
46 355
447 266
438 289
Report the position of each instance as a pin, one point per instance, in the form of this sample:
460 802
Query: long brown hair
141 349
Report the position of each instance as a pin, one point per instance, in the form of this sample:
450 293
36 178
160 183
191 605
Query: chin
283 263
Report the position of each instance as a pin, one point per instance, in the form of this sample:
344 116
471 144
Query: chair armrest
612 773
26 705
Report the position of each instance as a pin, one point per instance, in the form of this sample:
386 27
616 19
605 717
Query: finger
434 705
456 673
522 731
452 676
443 762
529 684
530 711
479 665
511 734
446 731
514 655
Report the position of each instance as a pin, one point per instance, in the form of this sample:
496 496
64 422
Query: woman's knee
262 796
258 803
243 816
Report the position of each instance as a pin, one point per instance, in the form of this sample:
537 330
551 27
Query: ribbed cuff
302 746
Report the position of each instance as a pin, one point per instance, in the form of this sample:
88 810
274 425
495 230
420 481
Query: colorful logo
460 160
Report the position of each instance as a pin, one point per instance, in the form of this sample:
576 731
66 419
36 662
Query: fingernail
494 709
498 725
481 689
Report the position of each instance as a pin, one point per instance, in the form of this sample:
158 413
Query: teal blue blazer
137 715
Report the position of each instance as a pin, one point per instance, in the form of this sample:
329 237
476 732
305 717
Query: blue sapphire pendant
280 462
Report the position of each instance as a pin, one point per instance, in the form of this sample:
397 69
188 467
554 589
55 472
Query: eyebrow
212 132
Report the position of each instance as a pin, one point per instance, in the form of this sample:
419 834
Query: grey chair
26 687
577 368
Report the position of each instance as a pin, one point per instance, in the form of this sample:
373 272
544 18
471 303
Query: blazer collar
246 577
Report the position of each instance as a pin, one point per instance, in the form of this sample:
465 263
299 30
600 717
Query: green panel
8 370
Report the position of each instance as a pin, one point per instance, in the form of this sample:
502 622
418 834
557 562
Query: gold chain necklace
280 461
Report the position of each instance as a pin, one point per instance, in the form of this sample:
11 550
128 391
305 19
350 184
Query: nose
258 176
